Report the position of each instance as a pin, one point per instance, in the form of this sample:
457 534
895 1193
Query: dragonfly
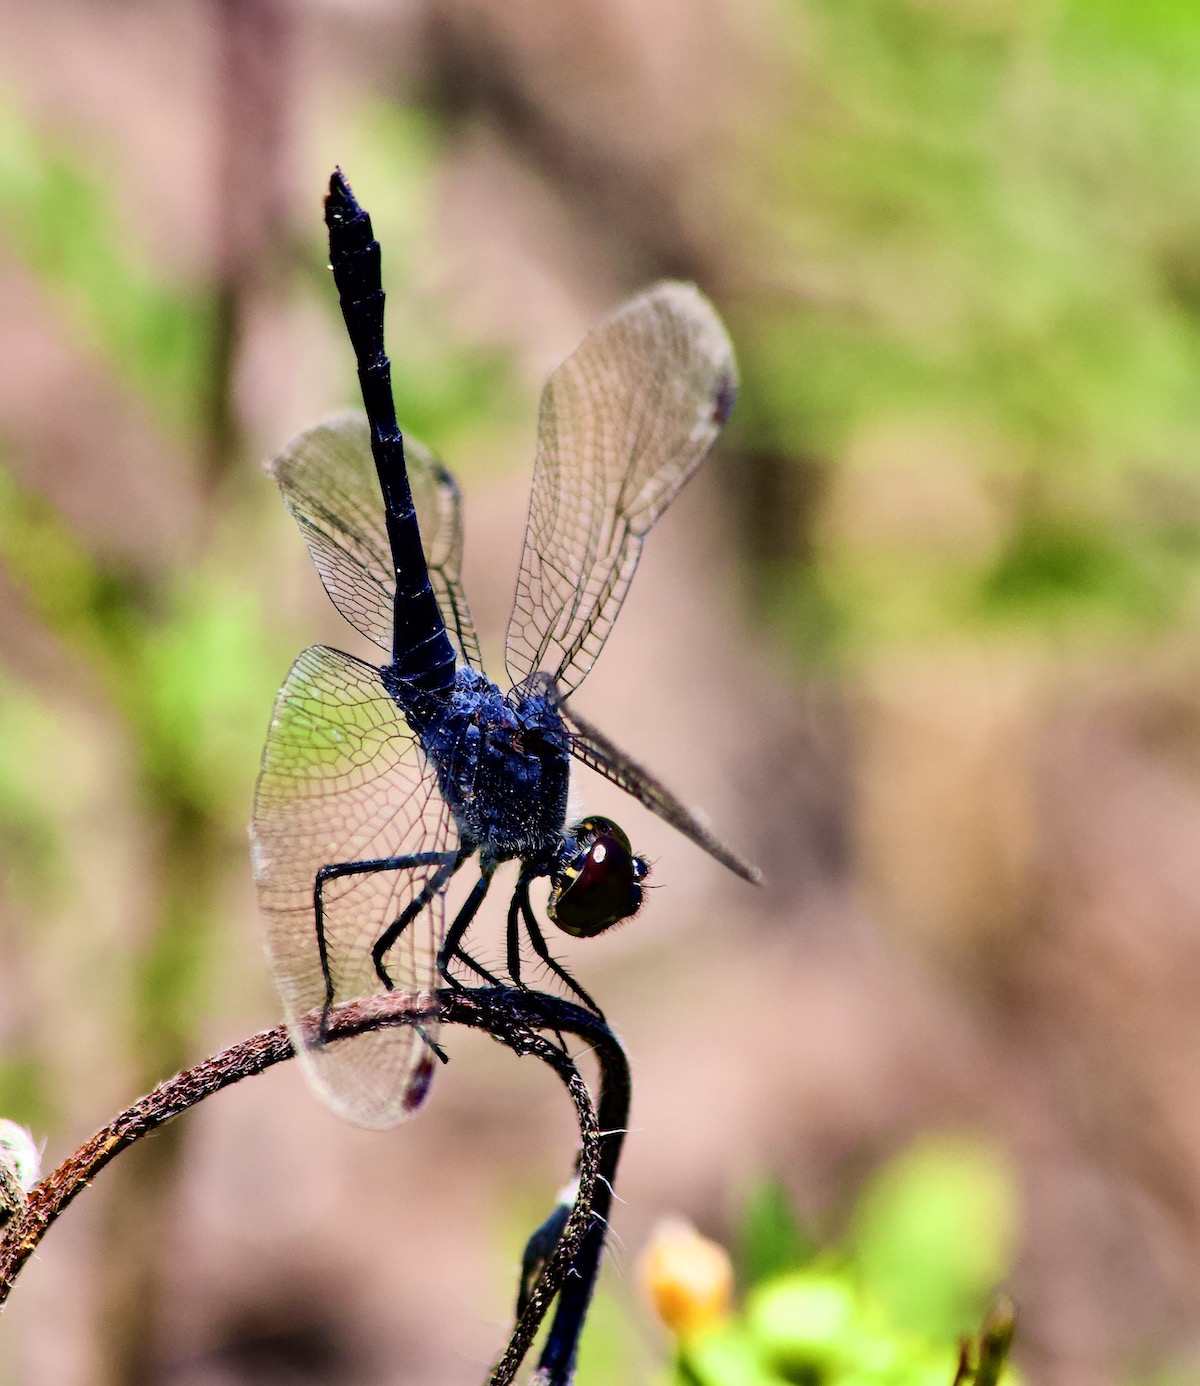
380 782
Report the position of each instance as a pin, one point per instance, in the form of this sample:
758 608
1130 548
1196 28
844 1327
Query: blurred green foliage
931 1236
204 672
452 395
980 233
772 1239
31 856
179 656
982 220
185 668
935 1231
66 225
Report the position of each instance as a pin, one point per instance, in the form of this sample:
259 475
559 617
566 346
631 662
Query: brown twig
512 1017
50 1196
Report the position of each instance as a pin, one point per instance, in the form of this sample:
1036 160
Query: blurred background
923 638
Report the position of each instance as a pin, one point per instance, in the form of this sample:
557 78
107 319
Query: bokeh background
924 638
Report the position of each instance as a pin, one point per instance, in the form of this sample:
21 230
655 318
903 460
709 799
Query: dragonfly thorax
502 763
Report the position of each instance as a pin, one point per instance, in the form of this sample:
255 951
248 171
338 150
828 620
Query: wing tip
336 425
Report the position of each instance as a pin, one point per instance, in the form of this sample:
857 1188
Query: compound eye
598 882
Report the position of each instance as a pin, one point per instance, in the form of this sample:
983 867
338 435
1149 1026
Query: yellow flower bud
687 1279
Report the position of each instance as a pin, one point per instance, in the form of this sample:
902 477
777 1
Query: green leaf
935 1231
771 1238
67 226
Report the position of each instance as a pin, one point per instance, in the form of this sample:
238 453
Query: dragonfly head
597 880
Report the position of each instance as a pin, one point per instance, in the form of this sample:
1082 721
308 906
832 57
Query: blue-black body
381 781
501 760
421 649
502 763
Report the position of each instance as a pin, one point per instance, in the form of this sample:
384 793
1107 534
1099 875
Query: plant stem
513 1017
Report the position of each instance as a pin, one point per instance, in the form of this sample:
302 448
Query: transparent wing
327 476
624 421
593 748
343 779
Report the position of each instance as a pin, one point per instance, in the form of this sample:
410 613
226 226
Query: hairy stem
512 1017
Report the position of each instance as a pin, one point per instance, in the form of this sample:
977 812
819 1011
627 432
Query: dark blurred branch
982 1358
513 1018
557 1362
254 40
478 69
589 1220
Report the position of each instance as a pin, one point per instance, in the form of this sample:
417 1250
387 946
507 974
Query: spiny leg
514 948
462 922
431 889
514 937
356 868
383 944
539 947
489 977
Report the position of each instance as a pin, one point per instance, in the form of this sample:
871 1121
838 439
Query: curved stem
576 1260
556 1367
50 1196
513 1018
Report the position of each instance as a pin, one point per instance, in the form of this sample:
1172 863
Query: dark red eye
598 882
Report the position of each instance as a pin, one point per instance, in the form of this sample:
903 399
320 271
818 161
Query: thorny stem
557 1362
513 1018
576 1267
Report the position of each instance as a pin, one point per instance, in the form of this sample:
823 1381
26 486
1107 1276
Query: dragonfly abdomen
421 647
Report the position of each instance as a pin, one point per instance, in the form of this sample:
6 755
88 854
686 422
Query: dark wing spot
419 1082
726 398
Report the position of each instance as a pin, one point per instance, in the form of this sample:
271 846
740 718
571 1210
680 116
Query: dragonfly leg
431 889
451 948
514 938
540 948
514 952
356 868
438 1052
435 884
489 977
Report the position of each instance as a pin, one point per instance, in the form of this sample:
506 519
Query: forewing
327 476
624 421
343 779
593 748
